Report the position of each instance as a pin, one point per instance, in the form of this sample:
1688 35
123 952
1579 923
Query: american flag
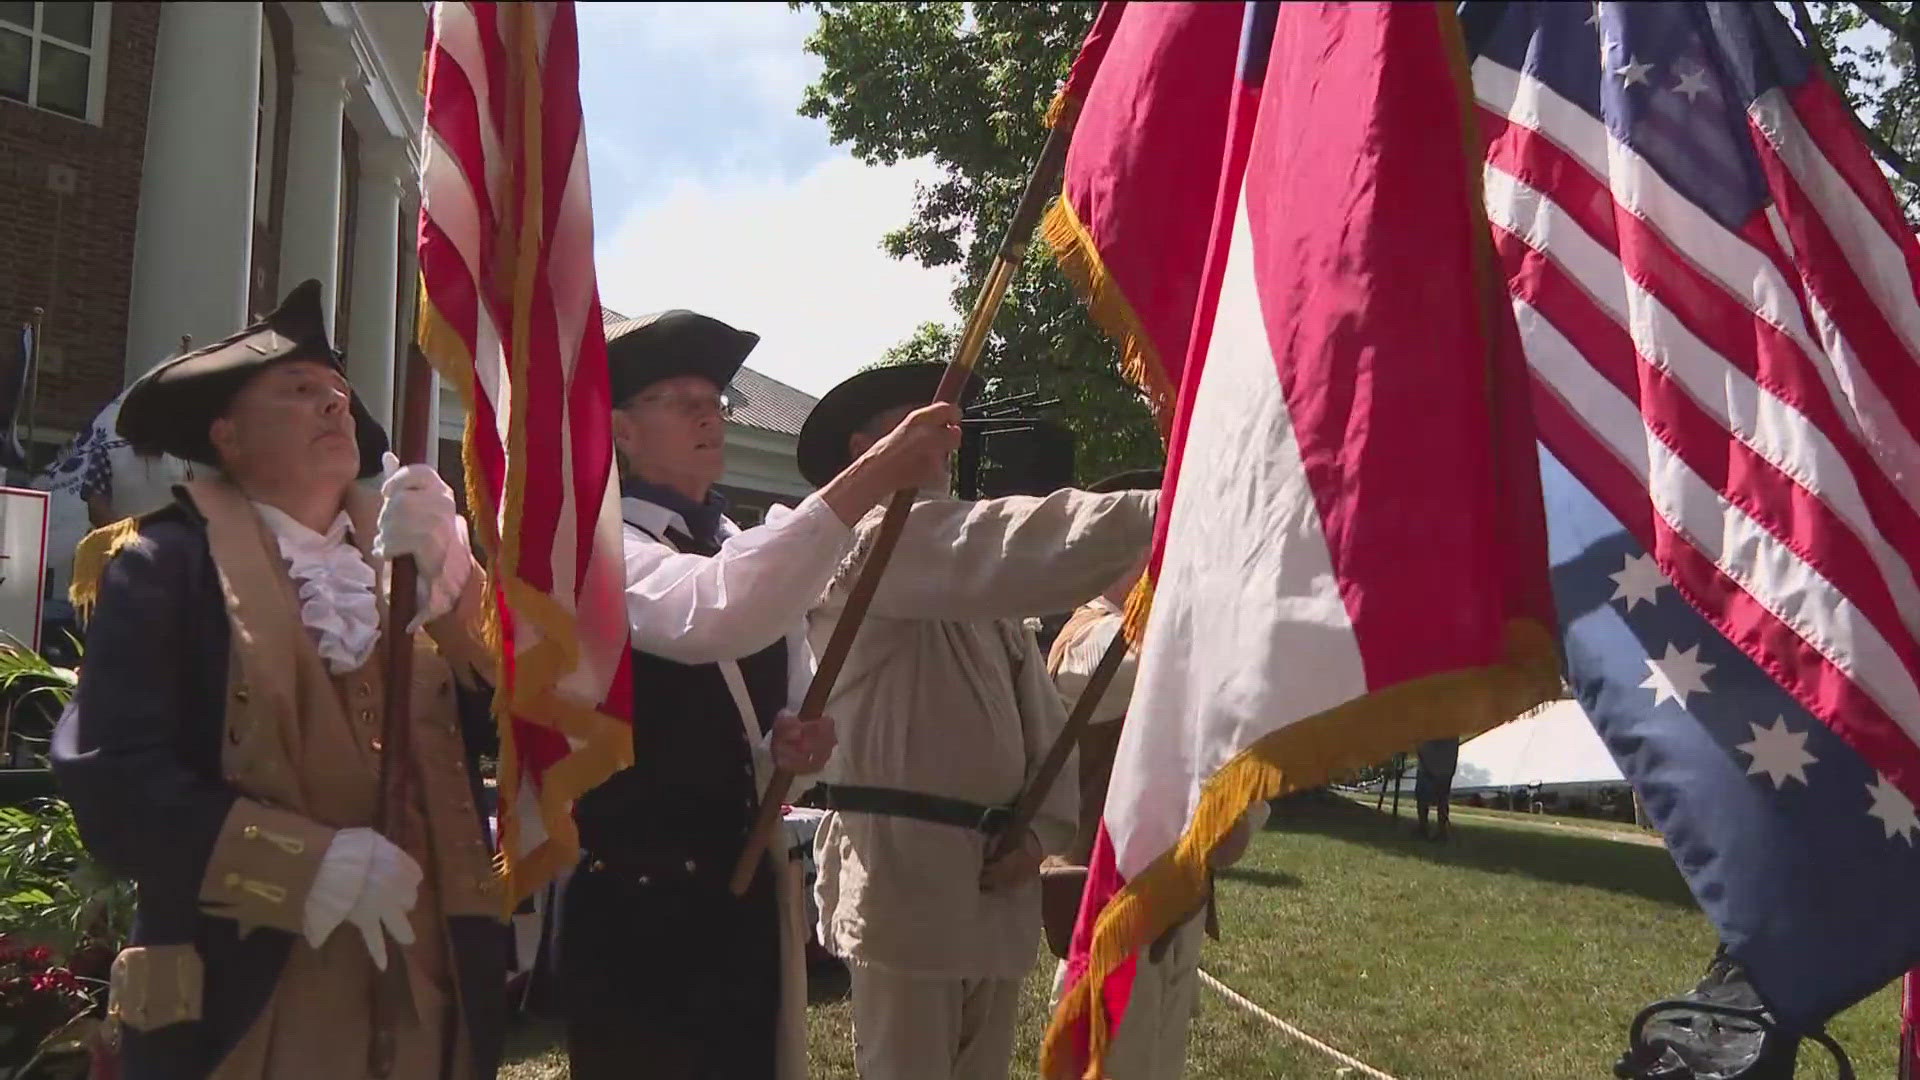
510 314
1715 291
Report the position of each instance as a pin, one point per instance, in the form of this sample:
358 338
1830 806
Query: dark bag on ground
1719 1031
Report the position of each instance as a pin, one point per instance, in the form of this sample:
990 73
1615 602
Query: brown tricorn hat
171 409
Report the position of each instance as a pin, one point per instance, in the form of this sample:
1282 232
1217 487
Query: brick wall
73 254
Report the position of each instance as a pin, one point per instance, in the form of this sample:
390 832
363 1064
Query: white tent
1553 748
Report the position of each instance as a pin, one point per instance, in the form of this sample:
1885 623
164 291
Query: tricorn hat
644 350
171 409
823 451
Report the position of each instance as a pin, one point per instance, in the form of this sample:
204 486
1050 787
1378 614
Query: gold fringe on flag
1296 757
1079 258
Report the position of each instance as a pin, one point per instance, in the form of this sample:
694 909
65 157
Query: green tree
967 85
1867 48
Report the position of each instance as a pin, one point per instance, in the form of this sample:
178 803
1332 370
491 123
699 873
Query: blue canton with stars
1803 856
1671 80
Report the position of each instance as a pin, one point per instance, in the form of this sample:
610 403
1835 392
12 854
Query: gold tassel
90 559
1064 107
1078 258
1139 605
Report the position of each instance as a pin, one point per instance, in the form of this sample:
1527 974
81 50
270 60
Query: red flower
40 954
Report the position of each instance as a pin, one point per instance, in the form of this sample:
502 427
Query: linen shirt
945 693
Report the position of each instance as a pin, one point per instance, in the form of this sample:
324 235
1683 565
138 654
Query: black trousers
668 977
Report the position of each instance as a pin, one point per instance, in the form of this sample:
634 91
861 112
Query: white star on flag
1779 752
1634 72
1676 675
1692 83
1639 581
1893 809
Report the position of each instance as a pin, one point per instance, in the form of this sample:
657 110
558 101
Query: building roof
758 401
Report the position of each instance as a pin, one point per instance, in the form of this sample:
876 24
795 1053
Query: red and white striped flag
1717 293
510 315
1351 554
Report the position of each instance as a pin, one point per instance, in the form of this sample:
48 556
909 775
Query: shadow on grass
1271 879
1561 858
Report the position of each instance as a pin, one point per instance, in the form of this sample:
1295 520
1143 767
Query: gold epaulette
90 559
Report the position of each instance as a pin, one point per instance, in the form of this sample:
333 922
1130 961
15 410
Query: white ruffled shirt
339 604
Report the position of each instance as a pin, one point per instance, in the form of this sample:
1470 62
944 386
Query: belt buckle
993 820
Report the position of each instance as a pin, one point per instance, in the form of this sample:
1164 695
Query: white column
193 237
310 225
384 170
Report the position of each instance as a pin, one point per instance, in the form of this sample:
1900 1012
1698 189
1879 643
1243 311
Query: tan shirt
946 693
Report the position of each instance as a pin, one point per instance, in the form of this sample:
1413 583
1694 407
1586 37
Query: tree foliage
967 85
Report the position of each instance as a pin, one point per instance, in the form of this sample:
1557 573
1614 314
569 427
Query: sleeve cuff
262 867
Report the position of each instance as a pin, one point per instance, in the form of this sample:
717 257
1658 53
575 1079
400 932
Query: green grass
1511 951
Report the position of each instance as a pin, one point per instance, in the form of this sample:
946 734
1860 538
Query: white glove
418 517
338 885
393 888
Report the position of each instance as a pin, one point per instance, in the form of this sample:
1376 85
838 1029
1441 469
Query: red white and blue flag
510 315
1351 555
1716 291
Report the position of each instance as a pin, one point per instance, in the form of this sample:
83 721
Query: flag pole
1909 1016
1036 791
393 997
1041 185
30 388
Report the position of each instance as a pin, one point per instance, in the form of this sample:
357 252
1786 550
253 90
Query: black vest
691 794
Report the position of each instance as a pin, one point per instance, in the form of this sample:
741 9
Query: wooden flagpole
1041 185
393 997
1063 744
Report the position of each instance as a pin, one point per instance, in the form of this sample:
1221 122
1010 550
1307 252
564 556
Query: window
53 55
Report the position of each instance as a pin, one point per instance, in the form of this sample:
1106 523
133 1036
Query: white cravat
338 605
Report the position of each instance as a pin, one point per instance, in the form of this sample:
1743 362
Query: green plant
51 891
26 678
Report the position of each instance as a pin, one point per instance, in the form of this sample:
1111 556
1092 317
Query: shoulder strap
736 683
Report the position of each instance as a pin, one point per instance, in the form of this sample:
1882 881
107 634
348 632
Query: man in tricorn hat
945 710
661 971
1151 1043
223 746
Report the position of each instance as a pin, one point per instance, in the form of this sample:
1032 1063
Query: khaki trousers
910 1028
1152 1041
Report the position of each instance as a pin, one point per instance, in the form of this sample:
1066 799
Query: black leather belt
892 802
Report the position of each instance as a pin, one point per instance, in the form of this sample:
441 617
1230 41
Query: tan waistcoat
304 745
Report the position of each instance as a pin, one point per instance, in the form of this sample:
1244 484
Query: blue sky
711 192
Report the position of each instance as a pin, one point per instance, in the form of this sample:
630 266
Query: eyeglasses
690 405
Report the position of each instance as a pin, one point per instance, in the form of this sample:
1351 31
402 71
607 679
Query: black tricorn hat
646 349
823 451
1131 480
171 409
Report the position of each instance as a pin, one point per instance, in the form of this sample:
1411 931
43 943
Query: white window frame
96 54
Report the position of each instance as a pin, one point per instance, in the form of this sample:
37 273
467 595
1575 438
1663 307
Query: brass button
364 690
240 693
691 867
233 735
597 866
233 881
645 880
366 716
251 832
375 743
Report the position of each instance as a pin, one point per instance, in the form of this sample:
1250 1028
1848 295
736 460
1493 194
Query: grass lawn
1511 952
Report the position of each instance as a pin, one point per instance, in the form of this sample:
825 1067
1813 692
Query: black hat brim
823 449
171 409
1131 480
652 348
176 416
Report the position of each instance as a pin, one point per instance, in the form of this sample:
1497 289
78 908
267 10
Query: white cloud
797 262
